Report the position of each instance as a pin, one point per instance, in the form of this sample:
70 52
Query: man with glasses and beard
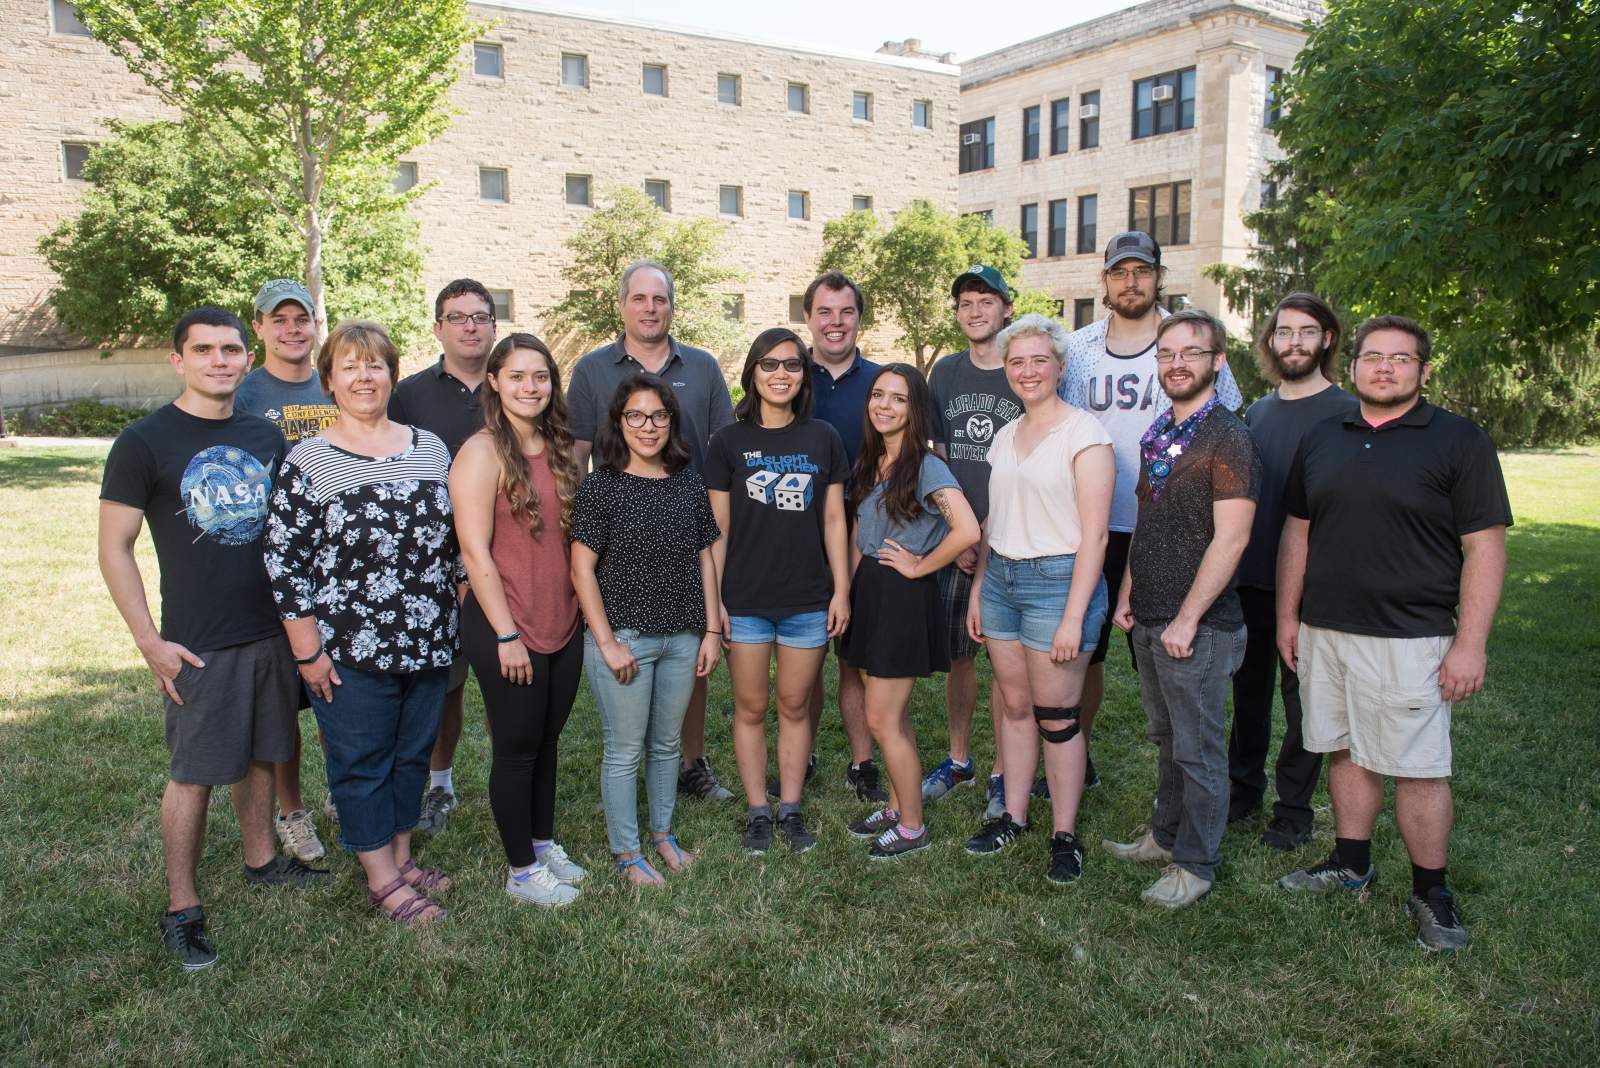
1111 371
1389 573
1296 353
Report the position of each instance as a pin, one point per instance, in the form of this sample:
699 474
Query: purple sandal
429 880
412 912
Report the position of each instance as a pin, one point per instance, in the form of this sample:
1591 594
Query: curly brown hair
552 425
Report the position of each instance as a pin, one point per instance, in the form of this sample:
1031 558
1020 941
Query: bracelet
312 659
505 639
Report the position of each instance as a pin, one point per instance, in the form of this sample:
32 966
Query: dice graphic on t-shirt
793 492
759 486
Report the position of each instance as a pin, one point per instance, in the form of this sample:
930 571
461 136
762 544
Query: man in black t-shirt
1397 523
200 475
1296 352
1199 477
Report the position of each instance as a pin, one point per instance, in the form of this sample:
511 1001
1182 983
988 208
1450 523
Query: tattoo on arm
941 501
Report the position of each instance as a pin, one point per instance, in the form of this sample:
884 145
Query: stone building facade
1157 117
772 140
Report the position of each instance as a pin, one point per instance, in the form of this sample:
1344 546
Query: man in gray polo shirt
646 301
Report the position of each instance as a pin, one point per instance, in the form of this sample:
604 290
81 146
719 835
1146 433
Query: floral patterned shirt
368 546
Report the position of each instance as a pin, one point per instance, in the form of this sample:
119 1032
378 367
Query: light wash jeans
643 718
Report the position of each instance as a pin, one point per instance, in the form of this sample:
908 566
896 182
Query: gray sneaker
1329 875
1439 928
437 804
287 871
698 780
183 934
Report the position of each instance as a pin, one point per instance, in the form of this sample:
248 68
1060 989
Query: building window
655 80
860 203
492 185
574 70
1060 120
728 89
488 60
799 204
660 191
922 114
1274 107
1163 103
1030 133
1162 211
1089 120
730 200
987 215
977 145
503 305
1082 312
578 190
799 98
1269 193
405 176
74 154
733 309
1058 228
64 19
1176 302
797 308
1088 215
1030 229
861 107
1061 309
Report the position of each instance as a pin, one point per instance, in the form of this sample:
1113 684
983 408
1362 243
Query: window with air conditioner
977 145
1163 103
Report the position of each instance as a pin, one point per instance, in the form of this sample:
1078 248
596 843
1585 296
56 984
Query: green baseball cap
275 292
985 274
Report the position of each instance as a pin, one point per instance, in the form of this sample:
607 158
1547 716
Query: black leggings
524 723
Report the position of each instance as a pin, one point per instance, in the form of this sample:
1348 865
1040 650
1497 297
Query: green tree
1453 177
627 227
849 246
167 224
300 96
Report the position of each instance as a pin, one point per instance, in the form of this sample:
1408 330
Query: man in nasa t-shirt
1111 371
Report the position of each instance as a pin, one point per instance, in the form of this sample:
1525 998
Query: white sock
442 778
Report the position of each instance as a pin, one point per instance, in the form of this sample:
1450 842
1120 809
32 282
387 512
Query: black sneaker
1041 789
1285 835
1091 777
795 833
1439 927
862 779
1066 858
698 780
287 871
995 835
757 834
1240 813
893 844
183 933
774 786
875 824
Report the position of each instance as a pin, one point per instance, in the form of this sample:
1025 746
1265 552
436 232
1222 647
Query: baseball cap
988 276
275 292
1133 245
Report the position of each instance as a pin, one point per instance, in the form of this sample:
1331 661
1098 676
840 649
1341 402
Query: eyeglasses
770 364
1166 356
1121 274
658 418
1305 333
476 318
1397 360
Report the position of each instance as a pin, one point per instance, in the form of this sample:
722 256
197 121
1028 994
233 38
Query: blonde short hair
368 338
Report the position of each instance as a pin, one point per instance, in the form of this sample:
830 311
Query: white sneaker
298 836
562 866
330 810
541 887
1176 888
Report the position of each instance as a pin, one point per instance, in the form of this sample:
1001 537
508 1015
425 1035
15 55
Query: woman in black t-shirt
777 478
642 532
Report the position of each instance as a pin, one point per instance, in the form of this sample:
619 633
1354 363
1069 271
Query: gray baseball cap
275 292
1133 245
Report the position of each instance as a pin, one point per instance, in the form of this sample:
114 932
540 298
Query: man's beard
1201 378
1288 374
1399 401
1138 308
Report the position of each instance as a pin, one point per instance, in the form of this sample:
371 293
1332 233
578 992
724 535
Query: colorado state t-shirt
777 483
1122 395
300 409
971 405
203 486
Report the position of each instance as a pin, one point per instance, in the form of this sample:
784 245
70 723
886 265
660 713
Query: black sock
1354 853
1425 879
787 808
758 811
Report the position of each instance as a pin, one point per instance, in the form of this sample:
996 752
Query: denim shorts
1025 599
802 630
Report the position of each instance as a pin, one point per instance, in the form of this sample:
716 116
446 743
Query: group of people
334 537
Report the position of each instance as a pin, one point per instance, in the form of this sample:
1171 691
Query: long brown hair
901 501
515 481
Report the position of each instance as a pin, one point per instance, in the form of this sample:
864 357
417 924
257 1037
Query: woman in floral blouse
362 556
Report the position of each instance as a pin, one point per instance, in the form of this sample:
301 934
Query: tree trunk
313 232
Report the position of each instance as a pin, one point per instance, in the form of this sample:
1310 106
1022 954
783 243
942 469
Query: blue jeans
801 630
378 733
1185 707
643 718
1025 599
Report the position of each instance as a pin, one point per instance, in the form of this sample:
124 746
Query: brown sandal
411 912
428 881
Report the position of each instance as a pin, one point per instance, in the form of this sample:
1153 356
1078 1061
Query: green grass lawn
943 958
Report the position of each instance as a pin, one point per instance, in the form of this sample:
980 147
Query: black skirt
896 627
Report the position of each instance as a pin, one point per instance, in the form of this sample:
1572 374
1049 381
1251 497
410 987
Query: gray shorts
241 706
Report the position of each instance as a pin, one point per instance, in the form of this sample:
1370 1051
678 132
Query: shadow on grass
30 468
